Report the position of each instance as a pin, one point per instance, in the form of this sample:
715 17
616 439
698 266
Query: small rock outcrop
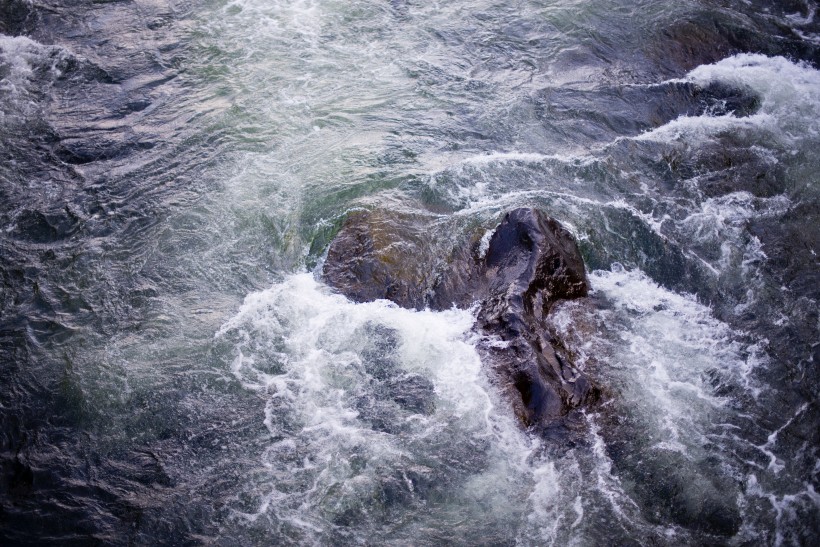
531 263
377 255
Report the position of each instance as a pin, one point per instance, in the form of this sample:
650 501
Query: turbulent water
175 372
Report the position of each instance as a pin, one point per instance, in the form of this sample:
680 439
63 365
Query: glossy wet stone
530 263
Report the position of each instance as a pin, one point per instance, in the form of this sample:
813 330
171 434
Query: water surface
175 372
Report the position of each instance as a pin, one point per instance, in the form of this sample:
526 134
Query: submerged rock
709 36
531 262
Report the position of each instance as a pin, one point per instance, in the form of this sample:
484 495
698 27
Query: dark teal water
175 372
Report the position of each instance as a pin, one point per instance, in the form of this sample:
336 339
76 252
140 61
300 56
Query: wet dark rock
367 261
530 252
531 263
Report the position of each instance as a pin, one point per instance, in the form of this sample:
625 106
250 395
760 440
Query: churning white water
382 423
376 414
383 416
178 372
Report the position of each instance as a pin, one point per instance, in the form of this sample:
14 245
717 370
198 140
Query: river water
175 372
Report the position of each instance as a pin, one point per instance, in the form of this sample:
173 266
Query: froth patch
788 93
21 57
26 69
674 341
371 409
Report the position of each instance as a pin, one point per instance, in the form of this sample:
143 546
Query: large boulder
531 263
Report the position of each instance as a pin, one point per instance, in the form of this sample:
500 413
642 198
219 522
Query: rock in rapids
531 263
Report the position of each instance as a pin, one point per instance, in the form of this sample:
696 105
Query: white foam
662 348
29 69
699 129
789 95
299 17
22 56
502 157
607 481
724 218
300 346
546 516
